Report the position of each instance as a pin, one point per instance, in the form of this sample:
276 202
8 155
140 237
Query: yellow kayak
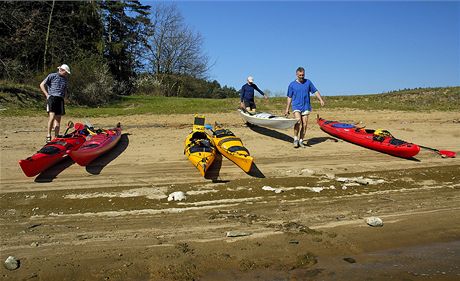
232 147
199 147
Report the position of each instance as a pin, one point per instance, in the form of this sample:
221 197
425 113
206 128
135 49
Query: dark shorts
249 103
56 105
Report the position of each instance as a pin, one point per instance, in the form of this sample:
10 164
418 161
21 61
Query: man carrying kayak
54 87
298 95
247 95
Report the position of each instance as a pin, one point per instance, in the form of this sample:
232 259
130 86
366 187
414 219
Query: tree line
113 48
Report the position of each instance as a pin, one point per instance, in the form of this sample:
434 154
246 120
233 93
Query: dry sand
112 220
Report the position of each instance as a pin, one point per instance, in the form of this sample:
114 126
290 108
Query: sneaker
296 143
48 139
302 144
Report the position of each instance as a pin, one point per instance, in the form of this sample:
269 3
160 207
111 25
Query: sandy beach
298 215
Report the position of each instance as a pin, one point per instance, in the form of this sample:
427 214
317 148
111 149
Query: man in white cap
247 95
54 87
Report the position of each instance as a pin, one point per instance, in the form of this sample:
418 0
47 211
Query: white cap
250 79
65 67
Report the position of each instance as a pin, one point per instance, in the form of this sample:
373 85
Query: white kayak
269 120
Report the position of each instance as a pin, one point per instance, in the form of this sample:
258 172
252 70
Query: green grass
20 100
423 99
158 105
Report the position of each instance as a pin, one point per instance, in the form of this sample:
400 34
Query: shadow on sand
214 170
99 163
314 141
270 133
255 172
52 172
286 138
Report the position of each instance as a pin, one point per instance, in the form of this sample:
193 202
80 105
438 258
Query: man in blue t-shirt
247 95
54 87
298 96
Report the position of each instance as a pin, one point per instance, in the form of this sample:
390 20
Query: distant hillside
445 99
16 99
20 96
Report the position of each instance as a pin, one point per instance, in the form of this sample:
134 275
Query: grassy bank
20 100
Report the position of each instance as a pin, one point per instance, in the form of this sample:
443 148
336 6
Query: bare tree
173 47
47 37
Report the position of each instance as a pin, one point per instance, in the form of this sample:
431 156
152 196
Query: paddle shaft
443 153
69 125
433 149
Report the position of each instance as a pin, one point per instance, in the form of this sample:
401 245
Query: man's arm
318 95
288 105
259 90
43 88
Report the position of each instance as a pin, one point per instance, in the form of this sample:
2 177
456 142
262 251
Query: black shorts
55 104
249 103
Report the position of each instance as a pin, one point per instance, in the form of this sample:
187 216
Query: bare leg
297 125
303 130
57 124
50 122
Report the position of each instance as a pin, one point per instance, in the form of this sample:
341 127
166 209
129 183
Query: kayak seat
343 125
59 142
237 148
198 136
50 150
397 142
265 115
223 133
378 138
199 148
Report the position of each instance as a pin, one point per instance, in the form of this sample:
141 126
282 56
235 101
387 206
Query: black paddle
443 153
69 125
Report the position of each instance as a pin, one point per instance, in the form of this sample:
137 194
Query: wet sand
112 220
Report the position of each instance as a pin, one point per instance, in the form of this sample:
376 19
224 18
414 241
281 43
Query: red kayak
53 152
379 140
97 144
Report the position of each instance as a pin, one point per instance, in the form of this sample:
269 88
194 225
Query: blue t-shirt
247 92
300 94
56 84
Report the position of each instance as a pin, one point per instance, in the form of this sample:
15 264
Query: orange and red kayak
97 143
378 140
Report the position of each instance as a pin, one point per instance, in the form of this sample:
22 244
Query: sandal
48 139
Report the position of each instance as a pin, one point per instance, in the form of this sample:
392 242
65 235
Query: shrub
171 85
148 84
12 70
90 83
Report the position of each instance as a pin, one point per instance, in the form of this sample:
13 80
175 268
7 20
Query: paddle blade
447 154
79 126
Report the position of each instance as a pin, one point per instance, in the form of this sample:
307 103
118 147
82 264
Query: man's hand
265 97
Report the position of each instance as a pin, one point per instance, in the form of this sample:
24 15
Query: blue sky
346 47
